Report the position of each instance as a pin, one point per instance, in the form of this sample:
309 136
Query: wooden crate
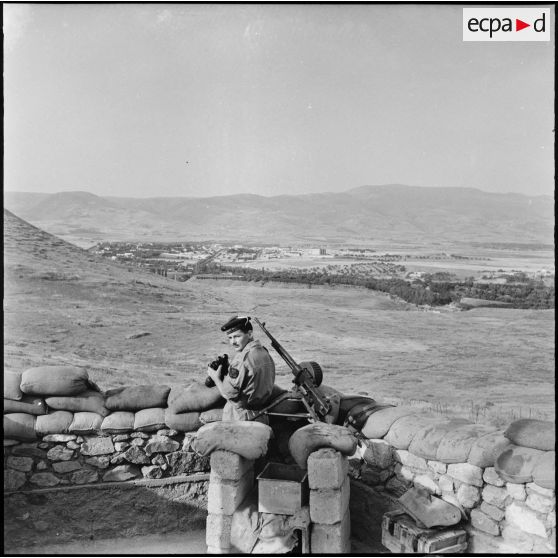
401 535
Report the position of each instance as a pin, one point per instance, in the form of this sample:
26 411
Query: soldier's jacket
249 383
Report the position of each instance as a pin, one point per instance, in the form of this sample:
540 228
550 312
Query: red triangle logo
519 25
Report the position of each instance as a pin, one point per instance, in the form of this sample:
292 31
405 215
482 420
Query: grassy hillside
63 305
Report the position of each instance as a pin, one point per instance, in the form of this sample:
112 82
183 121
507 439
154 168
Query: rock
378 454
44 479
41 466
409 460
43 445
468 496
136 455
121 446
467 473
540 503
60 453
518 539
437 467
546 492
525 519
59 438
159 444
101 462
24 464
120 437
98 445
138 442
490 476
121 473
492 511
138 335
14 479
72 445
152 472
186 463
66 466
85 476
187 442
516 491
496 496
481 521
29 450
139 435
424 481
168 432
446 483
404 474
159 460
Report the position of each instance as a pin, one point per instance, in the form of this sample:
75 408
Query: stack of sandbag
65 386
139 408
531 454
186 405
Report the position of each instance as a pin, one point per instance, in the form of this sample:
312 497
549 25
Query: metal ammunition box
282 489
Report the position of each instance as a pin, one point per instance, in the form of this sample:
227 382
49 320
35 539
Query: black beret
237 322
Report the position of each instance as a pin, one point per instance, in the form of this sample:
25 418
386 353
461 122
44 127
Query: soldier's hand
215 375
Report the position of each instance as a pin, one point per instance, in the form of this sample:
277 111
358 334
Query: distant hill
391 212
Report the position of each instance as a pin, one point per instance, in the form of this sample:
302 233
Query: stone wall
501 517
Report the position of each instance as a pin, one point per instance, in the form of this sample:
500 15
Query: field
64 306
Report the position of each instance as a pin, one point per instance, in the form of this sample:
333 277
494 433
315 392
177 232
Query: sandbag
85 422
246 438
54 423
429 510
378 425
20 426
358 416
544 472
487 448
212 415
88 401
402 431
118 422
426 441
318 435
531 433
456 445
54 380
28 404
183 422
12 382
517 464
195 397
150 420
136 398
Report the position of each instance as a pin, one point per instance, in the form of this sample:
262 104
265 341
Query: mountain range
393 212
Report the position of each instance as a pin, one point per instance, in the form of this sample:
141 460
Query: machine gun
307 378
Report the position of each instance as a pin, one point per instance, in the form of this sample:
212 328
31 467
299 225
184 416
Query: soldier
248 385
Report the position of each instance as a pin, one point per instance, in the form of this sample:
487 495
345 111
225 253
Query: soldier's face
238 339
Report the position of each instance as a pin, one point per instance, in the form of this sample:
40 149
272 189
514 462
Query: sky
199 100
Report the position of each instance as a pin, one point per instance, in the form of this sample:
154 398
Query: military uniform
249 383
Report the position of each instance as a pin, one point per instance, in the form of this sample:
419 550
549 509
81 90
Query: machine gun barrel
316 404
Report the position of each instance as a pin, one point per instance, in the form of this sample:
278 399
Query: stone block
525 519
152 472
496 496
468 496
329 506
180 462
161 444
121 473
218 530
546 492
378 453
521 541
446 483
85 476
44 479
540 503
332 539
412 461
97 445
24 464
438 467
59 438
14 479
424 481
490 476
492 511
327 468
516 491
224 496
60 453
136 456
483 522
228 465
467 473
101 462
66 466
